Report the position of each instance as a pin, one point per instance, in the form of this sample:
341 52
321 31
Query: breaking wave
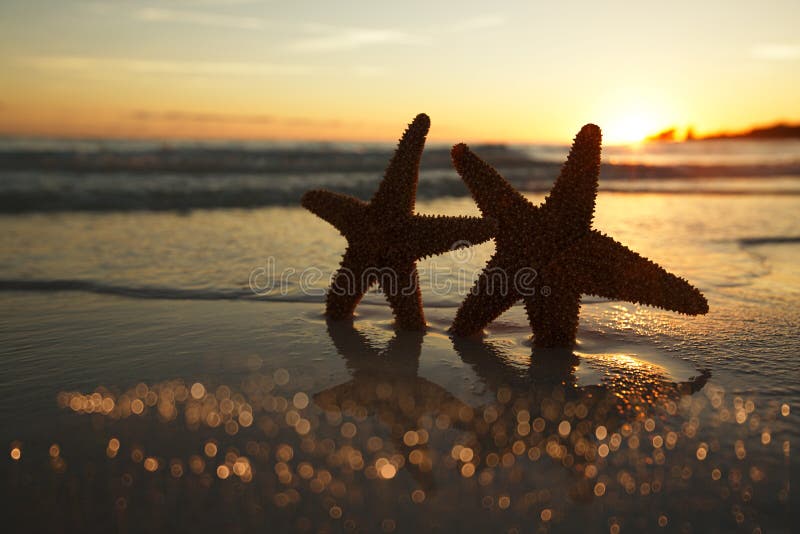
124 178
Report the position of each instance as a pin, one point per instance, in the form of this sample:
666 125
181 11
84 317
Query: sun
629 114
630 129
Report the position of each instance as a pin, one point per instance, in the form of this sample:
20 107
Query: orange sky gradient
508 71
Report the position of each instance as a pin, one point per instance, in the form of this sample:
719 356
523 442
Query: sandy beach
149 387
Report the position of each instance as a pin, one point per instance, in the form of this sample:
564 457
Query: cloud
776 52
321 38
480 22
216 2
219 20
329 38
191 116
227 118
181 68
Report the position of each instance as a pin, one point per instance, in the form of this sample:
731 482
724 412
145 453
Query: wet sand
160 393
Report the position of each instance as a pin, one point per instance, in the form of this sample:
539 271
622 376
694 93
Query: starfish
385 237
555 246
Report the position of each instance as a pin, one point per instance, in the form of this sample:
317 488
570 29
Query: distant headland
780 130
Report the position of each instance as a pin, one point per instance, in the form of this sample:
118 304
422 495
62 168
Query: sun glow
631 113
630 129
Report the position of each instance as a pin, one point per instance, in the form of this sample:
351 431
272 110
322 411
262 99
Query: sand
176 400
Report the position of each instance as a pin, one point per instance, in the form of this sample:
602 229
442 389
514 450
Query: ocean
166 363
85 175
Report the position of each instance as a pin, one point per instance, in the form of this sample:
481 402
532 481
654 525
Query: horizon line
165 138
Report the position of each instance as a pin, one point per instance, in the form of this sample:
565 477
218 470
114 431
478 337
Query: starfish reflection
386 383
536 409
543 410
629 386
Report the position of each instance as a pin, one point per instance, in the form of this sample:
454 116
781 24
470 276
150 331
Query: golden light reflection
198 391
467 470
223 472
599 489
196 464
633 436
385 469
151 464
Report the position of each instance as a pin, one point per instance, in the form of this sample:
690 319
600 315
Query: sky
501 71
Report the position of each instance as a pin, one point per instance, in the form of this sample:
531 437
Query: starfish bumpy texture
549 255
385 237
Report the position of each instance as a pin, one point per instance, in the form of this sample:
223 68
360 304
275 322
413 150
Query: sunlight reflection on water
375 448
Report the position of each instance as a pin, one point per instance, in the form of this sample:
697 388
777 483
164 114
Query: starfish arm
603 267
495 197
398 190
348 286
573 195
345 213
491 295
553 316
431 235
401 288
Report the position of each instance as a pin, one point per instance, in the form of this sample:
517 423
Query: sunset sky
484 71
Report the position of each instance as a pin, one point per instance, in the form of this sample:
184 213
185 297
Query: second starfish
549 255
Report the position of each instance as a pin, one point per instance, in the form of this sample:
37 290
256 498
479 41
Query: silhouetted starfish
549 255
386 238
